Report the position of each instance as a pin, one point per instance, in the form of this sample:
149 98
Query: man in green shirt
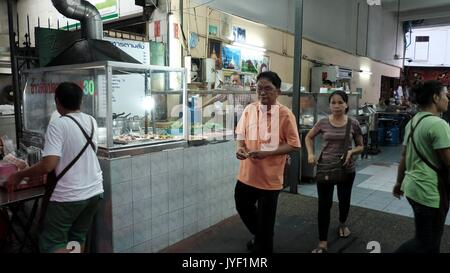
426 142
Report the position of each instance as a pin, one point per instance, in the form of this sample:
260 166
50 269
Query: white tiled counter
158 199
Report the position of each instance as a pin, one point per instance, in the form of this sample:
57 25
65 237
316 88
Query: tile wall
162 198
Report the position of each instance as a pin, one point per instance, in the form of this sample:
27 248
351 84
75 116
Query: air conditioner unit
344 73
332 73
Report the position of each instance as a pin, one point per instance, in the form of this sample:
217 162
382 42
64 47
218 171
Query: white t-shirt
65 139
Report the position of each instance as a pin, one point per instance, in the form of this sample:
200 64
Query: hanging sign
157 26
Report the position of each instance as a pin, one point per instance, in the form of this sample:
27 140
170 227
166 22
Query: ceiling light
374 2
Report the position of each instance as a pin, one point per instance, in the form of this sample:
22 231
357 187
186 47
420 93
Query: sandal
320 249
341 231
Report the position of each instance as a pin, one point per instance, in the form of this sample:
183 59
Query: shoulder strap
89 142
88 138
424 159
347 136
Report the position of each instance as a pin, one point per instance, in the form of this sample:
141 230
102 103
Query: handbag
334 172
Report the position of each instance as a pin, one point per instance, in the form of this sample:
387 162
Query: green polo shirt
420 182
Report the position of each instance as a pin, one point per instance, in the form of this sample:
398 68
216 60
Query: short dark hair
69 95
271 77
327 82
423 92
343 96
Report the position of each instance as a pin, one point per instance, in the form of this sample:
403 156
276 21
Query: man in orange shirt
266 133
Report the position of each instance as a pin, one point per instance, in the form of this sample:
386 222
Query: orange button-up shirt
265 130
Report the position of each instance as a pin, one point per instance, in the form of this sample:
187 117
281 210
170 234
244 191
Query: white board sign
136 49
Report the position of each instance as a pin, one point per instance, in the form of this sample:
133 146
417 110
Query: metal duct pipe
86 13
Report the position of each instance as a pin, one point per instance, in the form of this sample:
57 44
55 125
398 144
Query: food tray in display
130 139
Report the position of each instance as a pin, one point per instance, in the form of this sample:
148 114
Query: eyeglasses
266 89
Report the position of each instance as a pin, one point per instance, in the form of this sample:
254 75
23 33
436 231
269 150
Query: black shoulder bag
333 173
443 184
52 178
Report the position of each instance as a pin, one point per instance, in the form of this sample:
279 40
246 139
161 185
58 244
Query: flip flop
341 231
319 249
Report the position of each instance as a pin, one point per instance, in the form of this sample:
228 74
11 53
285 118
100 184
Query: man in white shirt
70 150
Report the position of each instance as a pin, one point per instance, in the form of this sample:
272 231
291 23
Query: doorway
388 85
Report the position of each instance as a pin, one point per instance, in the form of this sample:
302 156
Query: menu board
137 49
127 90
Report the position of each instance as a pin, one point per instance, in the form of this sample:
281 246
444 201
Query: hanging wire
206 3
398 22
196 23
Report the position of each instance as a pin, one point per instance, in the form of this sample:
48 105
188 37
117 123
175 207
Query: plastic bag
8 145
20 163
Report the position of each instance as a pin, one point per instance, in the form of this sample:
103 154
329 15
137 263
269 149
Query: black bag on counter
334 172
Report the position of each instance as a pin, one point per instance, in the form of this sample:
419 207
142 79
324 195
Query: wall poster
215 52
254 62
239 34
213 30
231 58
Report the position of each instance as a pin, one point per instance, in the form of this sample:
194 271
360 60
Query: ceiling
419 9
409 5
434 12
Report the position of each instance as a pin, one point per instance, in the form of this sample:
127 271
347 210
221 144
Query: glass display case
133 104
214 114
307 117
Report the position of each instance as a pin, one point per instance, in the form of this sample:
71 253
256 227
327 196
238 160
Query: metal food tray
143 140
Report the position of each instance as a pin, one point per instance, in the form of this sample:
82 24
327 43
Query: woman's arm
309 143
359 148
359 145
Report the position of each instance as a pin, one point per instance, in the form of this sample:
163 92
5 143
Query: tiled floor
373 184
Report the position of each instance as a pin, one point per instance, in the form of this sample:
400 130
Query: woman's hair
343 96
271 77
423 92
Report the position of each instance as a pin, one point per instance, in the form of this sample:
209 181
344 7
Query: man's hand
13 180
396 191
258 154
241 153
